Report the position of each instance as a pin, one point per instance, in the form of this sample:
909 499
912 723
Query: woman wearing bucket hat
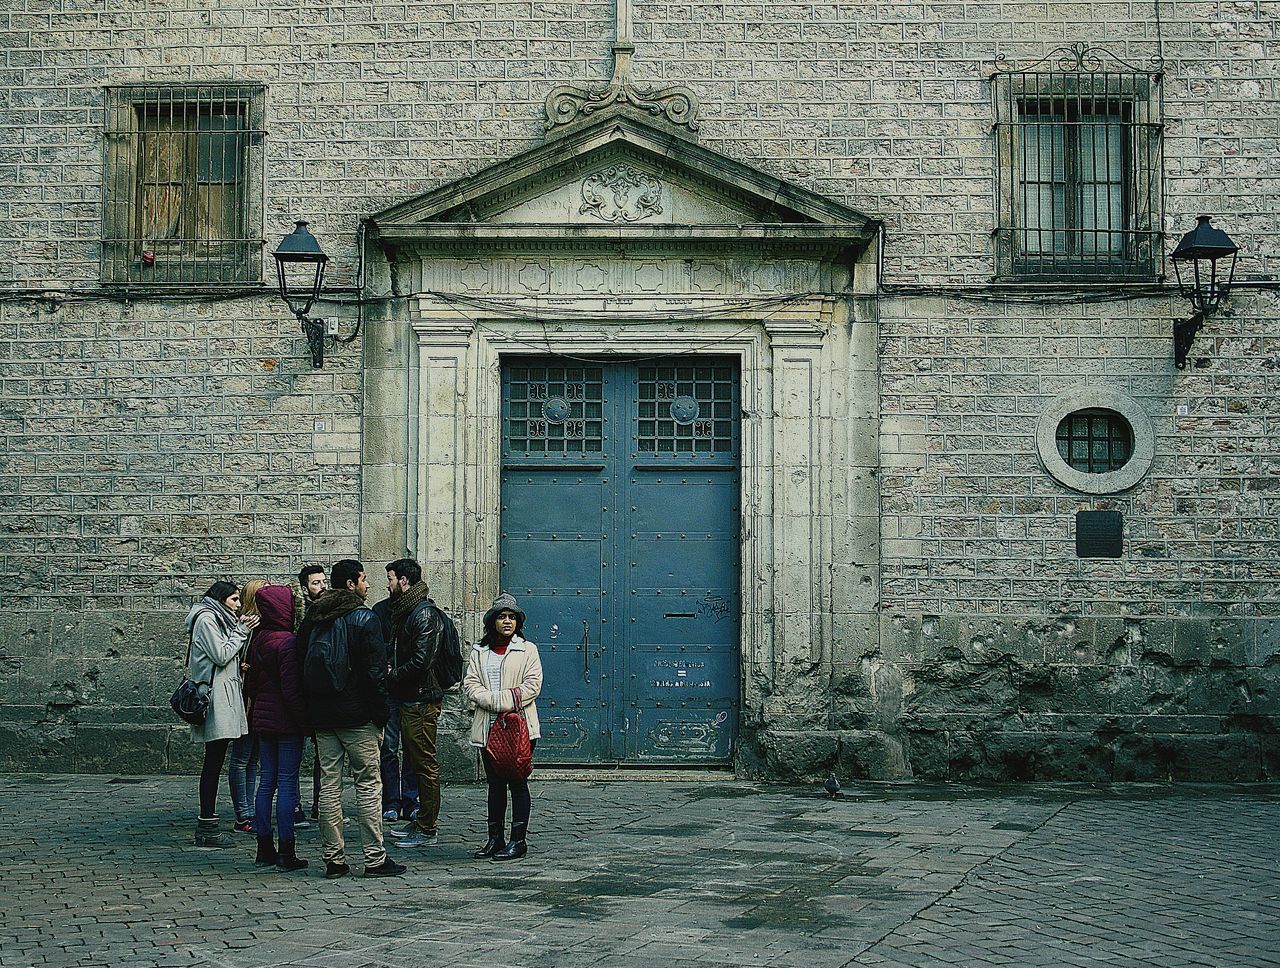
501 663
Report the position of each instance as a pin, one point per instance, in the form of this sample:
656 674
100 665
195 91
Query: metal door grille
1078 173
555 410
686 409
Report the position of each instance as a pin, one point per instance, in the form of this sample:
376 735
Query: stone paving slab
652 873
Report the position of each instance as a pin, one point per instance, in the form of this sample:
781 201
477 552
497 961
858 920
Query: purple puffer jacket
274 680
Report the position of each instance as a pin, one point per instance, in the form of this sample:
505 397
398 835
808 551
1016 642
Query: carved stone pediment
624 180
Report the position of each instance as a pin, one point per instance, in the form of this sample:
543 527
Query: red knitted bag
510 755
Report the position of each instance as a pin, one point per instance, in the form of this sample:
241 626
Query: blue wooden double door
620 538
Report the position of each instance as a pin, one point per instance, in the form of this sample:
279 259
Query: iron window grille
183 185
1095 441
1078 172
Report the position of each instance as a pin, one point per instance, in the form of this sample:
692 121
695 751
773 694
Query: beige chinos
361 747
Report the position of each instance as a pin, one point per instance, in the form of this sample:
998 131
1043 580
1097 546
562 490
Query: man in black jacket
399 785
344 680
415 685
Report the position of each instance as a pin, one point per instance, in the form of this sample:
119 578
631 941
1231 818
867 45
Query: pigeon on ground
832 786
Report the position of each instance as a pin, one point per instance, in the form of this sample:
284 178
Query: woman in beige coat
500 663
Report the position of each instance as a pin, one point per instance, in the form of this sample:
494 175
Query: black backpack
327 667
448 664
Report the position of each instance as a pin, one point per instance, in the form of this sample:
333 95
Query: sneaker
244 827
301 824
390 815
388 868
416 838
332 870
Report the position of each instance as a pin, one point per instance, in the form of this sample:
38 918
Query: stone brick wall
1018 658
150 448
151 445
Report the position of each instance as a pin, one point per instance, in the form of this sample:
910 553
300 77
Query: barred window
1095 440
1079 158
183 179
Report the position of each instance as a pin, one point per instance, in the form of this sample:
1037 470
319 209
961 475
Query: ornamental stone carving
568 106
620 193
676 105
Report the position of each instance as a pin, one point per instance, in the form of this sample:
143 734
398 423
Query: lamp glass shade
300 265
1204 242
1202 248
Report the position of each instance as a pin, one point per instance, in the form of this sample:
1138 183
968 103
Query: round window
1095 440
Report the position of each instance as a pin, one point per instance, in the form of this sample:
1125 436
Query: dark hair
307 572
491 622
406 568
348 569
220 591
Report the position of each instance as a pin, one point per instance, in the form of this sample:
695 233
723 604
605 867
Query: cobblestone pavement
102 872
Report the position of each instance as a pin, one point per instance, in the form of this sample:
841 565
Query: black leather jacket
414 677
364 699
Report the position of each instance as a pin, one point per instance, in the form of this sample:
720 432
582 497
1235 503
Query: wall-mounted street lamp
300 266
1205 284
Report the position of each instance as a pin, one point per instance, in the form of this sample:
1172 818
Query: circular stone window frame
1089 398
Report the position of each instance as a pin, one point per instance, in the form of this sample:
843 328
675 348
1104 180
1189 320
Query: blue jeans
281 756
242 775
399 785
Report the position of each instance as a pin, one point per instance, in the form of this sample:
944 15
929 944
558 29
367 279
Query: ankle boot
492 845
287 860
266 852
517 848
207 834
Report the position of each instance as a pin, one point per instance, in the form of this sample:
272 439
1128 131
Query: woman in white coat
218 635
500 663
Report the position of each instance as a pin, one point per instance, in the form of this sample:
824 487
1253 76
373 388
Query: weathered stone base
1114 751
973 698
802 755
970 749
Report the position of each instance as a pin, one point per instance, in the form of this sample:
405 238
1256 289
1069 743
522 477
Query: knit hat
505 602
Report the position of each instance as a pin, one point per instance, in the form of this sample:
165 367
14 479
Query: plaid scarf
407 601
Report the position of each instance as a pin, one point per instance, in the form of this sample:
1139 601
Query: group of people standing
352 678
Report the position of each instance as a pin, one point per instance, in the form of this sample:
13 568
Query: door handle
586 651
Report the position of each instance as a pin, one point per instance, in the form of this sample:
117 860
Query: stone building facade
897 249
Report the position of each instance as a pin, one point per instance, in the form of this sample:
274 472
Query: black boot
288 860
266 852
516 849
491 846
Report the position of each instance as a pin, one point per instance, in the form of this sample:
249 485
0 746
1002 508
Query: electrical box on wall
1099 534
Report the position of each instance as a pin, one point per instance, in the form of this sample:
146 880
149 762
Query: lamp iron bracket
1184 335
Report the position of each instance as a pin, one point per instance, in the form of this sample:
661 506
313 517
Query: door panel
620 536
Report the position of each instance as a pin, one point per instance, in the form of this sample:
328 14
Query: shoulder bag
510 755
191 699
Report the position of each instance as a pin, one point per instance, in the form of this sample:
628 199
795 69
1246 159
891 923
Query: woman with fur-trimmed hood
500 663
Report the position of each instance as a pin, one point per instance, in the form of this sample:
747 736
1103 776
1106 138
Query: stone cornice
823 242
